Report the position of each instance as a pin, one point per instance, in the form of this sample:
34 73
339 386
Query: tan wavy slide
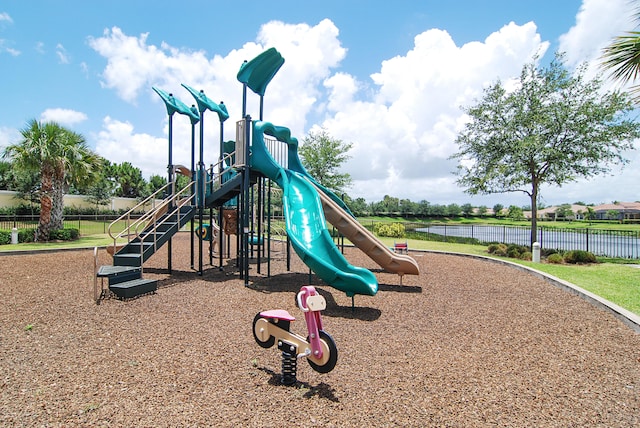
366 241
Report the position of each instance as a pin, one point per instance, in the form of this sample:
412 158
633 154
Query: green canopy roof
205 103
175 105
258 72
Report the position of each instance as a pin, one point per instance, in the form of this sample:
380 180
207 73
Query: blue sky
389 77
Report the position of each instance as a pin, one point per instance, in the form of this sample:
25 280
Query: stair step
133 288
127 259
118 274
108 270
166 226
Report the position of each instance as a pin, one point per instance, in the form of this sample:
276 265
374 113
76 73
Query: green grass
619 284
89 241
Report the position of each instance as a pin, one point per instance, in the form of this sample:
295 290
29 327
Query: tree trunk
534 216
46 203
57 209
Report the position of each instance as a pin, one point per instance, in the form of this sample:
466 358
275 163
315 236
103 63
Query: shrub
64 234
517 248
555 258
393 230
514 253
492 248
26 235
5 237
579 257
526 256
498 249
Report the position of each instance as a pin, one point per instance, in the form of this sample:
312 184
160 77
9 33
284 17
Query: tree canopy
61 158
322 156
553 128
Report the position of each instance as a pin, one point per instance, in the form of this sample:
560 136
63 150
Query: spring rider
319 347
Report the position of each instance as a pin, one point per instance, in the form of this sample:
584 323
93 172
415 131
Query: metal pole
261 105
170 179
245 220
259 217
193 187
269 229
200 190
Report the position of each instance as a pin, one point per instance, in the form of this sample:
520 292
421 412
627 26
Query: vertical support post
259 218
171 186
201 188
269 229
193 187
245 210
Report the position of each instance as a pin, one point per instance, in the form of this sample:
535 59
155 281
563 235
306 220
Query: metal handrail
216 178
127 215
156 224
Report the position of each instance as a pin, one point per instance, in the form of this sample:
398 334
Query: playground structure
319 347
238 188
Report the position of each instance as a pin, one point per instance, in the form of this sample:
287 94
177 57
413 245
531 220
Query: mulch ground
466 343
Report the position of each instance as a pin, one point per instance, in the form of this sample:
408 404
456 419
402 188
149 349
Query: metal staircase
140 239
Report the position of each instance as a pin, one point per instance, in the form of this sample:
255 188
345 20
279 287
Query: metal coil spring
289 368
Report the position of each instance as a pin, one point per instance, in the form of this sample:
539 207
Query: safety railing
219 171
131 220
176 210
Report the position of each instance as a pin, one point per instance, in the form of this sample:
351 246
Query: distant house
622 211
625 211
551 213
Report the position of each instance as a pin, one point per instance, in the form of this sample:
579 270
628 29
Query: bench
401 247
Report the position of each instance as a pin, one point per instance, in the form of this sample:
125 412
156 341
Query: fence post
587 233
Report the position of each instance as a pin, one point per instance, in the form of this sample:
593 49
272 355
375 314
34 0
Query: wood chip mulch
466 344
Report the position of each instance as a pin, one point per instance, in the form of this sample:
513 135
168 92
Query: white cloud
62 55
597 23
402 122
404 135
63 116
118 142
84 68
134 66
4 17
4 47
8 136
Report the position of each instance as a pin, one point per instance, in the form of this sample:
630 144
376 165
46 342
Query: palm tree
622 57
61 157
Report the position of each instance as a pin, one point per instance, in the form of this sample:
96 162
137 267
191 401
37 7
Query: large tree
554 127
322 156
129 180
61 157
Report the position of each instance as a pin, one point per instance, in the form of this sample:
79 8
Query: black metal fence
86 224
601 242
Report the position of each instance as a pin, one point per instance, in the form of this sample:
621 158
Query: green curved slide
304 217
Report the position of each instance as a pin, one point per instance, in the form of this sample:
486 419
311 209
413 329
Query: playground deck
466 343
